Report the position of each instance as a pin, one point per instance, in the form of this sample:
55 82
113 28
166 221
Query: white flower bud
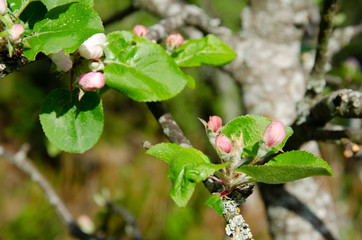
3 7
93 47
96 66
62 61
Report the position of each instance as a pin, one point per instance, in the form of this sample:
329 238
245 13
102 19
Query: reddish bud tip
223 143
214 123
3 7
91 81
15 32
175 40
274 133
140 30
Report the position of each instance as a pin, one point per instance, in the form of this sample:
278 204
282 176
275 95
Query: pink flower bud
62 61
140 30
3 7
274 134
86 224
175 40
15 31
223 143
214 123
91 81
92 48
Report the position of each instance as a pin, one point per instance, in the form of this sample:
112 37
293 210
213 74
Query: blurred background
117 169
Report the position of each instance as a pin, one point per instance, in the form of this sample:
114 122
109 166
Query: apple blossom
92 48
15 32
140 30
91 81
214 123
223 143
62 61
175 40
3 7
86 224
274 134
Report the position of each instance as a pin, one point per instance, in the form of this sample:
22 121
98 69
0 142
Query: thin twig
23 163
170 128
316 82
128 217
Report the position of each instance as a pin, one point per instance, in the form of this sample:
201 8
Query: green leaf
50 4
15 5
209 50
164 151
33 13
73 126
215 202
65 27
252 127
287 167
188 167
190 82
141 69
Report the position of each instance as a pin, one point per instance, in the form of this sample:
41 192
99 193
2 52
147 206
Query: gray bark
273 82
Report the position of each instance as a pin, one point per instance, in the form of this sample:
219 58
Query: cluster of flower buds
228 149
14 31
92 49
140 31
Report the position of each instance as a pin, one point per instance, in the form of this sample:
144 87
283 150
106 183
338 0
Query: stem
5 19
22 8
4 34
254 161
71 79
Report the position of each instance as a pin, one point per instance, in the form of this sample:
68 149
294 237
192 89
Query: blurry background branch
23 163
